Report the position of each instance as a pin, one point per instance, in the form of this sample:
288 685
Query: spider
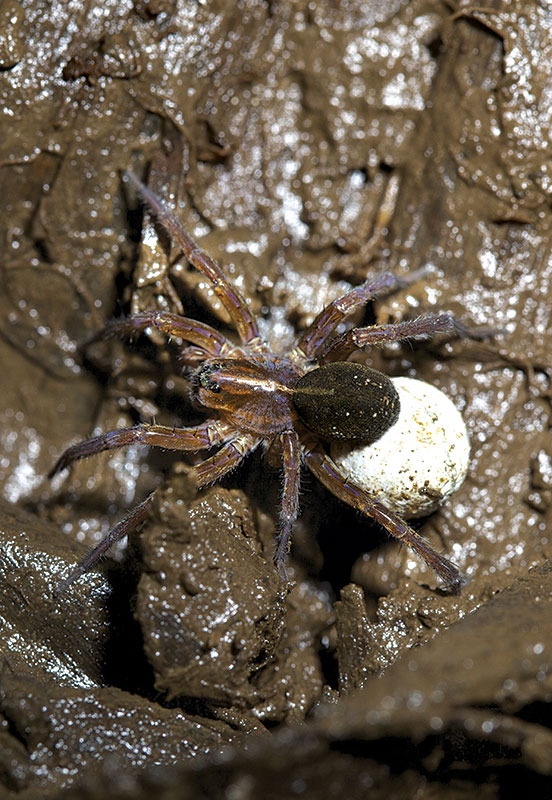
303 400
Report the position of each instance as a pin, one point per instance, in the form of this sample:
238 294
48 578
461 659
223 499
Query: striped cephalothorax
305 399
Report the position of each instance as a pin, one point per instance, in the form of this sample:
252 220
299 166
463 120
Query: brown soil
184 667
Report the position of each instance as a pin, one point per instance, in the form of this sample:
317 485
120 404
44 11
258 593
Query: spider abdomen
347 401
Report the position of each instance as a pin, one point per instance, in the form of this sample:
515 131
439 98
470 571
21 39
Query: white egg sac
420 461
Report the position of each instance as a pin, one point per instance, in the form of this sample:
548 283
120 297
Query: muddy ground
183 667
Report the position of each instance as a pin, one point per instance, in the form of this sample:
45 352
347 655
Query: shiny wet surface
275 129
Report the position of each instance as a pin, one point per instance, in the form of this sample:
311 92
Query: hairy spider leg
226 459
199 437
352 340
327 473
234 303
125 526
291 451
316 335
211 342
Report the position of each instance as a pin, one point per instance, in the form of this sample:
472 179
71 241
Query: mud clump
217 623
276 131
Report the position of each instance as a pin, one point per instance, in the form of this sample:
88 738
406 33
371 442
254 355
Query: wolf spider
310 396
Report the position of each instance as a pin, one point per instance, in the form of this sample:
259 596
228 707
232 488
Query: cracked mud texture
276 130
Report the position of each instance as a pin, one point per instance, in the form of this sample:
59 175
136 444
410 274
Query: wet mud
280 132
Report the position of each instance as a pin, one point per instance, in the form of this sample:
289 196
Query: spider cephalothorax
304 399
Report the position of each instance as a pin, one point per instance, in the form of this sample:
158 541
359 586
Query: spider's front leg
200 437
327 473
352 340
211 469
317 334
210 341
231 299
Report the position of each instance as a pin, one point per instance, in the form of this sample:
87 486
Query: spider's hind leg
290 497
327 473
123 528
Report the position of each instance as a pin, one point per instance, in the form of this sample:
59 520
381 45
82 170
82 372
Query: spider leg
344 345
125 526
200 437
226 459
290 496
211 341
327 473
234 303
316 335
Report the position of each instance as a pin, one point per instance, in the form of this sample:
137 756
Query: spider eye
206 380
